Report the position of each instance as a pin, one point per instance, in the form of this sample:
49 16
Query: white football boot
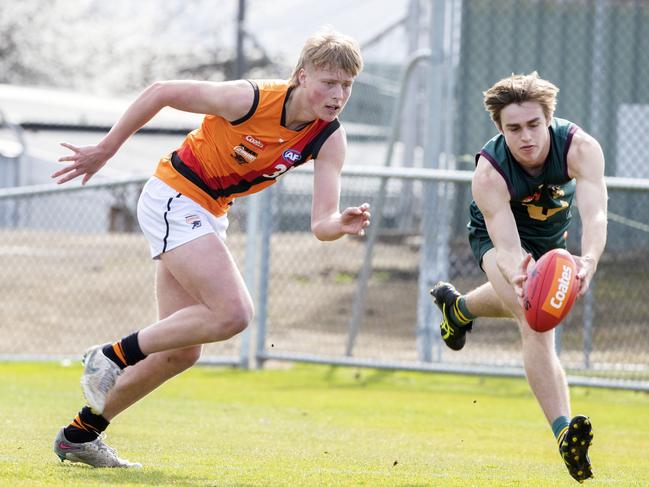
99 376
94 453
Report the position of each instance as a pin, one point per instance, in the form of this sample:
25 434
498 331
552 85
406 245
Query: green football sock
460 313
560 426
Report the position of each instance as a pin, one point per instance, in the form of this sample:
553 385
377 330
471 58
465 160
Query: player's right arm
230 100
492 197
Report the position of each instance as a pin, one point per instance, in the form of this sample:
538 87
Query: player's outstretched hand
586 267
519 279
355 219
84 161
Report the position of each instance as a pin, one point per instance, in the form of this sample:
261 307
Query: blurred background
75 267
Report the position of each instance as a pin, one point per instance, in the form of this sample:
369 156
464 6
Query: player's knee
232 321
185 358
539 342
237 322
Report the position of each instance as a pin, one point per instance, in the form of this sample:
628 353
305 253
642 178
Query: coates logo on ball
550 290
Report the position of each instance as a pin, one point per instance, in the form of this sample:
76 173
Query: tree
118 46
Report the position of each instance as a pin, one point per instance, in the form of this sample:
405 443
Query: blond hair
329 49
519 88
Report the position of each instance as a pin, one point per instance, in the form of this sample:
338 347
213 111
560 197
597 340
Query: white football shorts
169 219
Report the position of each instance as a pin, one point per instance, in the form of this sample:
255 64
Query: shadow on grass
78 474
361 377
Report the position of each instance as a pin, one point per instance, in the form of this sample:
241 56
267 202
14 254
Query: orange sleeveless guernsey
223 160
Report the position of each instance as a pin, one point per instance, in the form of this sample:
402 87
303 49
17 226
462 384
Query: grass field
318 425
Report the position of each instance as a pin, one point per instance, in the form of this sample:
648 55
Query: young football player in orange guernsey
252 133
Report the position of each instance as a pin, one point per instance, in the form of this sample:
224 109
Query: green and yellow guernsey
541 204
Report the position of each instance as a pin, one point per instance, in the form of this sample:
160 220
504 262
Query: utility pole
240 62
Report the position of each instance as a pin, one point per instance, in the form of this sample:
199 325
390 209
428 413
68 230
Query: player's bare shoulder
581 141
335 147
338 137
489 188
584 155
233 99
486 177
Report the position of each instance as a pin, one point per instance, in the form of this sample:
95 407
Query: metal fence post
596 123
12 153
250 269
266 228
358 306
434 250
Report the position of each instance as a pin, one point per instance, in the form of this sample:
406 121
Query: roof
21 104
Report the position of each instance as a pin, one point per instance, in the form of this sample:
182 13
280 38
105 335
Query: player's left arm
327 222
586 165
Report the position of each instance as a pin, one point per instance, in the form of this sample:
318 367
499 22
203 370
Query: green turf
318 426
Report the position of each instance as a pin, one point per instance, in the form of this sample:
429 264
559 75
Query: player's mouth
528 149
332 109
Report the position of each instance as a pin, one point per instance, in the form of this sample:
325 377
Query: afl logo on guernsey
291 155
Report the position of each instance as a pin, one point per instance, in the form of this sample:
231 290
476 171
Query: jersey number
279 170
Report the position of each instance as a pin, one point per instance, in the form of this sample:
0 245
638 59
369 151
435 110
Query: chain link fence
596 52
76 270
605 336
75 273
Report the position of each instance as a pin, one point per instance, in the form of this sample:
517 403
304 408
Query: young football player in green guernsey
523 188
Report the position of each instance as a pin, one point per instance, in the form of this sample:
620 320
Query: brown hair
519 88
329 49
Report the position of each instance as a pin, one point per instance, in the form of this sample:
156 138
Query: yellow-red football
550 289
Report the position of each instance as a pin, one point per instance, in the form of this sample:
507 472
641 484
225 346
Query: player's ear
301 75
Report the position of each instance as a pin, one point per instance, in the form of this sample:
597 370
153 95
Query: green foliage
345 278
318 425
